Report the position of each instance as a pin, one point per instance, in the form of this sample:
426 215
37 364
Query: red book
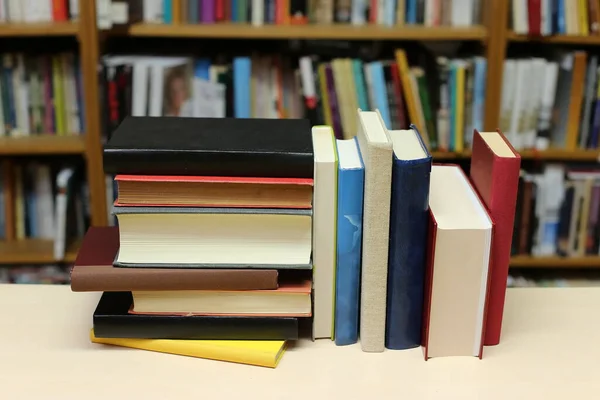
534 15
495 167
214 191
59 10
458 266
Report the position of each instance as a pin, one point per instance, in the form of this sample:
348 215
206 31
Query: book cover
351 176
211 147
112 319
408 247
262 353
376 150
495 168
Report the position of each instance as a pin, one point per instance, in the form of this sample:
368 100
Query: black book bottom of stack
113 320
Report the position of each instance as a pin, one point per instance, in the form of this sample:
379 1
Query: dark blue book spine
407 253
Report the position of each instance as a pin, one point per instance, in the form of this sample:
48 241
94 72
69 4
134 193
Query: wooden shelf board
39 29
555 262
344 32
42 144
556 39
34 251
558 155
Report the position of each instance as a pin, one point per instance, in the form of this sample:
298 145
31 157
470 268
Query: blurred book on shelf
557 213
562 17
50 202
552 103
430 13
48 274
32 11
41 94
445 105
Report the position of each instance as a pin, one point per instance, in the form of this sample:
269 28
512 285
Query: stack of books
225 226
215 231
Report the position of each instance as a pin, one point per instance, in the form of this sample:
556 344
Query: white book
518 104
3 13
171 87
258 12
462 12
74 9
103 14
21 96
547 104
44 202
376 150
520 17
139 86
15 10
324 230
60 211
153 11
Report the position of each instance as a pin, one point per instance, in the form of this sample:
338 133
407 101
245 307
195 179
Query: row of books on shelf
41 95
552 103
49 202
556 17
35 274
31 11
280 12
264 86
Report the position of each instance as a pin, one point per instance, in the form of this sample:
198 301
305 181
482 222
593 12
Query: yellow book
407 91
263 353
58 96
325 95
176 4
582 13
459 126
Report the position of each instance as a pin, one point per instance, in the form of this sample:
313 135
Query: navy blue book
351 177
408 239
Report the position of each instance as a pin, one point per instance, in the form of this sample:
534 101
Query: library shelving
588 40
555 262
39 29
87 144
330 32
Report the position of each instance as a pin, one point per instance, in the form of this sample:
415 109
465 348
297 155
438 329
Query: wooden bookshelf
555 262
546 155
39 29
34 251
590 40
332 32
46 144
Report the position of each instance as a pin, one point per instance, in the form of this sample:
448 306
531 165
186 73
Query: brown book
94 271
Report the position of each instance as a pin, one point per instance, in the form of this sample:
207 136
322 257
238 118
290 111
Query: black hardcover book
112 320
253 147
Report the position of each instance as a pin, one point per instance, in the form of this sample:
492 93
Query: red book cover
428 288
534 16
220 10
495 176
59 10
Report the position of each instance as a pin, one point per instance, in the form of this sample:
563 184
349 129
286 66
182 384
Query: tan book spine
577 92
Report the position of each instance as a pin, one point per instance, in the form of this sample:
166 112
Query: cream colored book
324 230
376 150
263 353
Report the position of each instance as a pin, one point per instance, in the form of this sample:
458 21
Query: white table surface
550 350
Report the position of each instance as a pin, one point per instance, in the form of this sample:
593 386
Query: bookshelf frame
494 34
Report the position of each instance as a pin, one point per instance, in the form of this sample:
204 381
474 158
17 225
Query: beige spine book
376 150
324 230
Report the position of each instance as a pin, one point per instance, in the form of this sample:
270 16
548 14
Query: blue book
192 12
361 89
379 88
561 18
351 177
411 12
202 69
241 87
480 72
167 11
408 239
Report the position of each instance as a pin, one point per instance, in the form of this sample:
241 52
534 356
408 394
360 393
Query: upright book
460 236
211 147
324 231
495 168
351 178
408 239
376 150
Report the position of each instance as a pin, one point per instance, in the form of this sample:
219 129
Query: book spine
349 237
407 254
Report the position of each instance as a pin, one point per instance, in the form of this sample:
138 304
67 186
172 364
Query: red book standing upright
495 166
